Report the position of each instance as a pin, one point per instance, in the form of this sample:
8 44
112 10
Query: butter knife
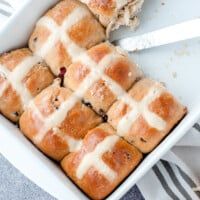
179 32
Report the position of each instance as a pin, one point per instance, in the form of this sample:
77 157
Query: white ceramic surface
176 65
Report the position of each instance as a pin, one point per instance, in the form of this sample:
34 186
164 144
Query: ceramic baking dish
176 65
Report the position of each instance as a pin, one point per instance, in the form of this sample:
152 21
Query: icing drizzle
16 77
138 108
96 73
59 115
141 108
94 159
60 33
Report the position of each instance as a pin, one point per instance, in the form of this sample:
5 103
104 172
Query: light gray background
14 186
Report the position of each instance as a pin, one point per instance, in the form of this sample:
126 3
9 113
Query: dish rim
174 136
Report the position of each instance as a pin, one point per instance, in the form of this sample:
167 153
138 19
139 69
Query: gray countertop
14 186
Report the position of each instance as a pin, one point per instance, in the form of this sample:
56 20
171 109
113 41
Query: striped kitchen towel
170 178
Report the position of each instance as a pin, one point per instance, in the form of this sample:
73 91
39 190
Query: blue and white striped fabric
170 178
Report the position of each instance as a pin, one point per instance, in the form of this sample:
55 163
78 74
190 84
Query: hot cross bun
102 162
19 82
146 114
64 32
56 121
114 13
103 73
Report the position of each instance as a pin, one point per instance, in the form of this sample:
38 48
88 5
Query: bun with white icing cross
114 13
102 162
19 82
104 73
101 84
64 32
146 115
56 121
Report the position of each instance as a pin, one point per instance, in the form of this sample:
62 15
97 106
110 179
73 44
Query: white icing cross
138 107
97 70
94 159
55 118
16 77
59 33
141 108
59 115
73 144
96 73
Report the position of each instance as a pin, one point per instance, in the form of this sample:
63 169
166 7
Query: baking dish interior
177 67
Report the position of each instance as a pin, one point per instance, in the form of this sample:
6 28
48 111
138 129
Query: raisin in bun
146 114
56 121
115 13
103 73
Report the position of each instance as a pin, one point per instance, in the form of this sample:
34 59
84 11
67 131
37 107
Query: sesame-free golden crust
77 122
13 58
105 7
141 134
122 159
11 104
105 10
61 10
85 33
120 70
114 13
38 78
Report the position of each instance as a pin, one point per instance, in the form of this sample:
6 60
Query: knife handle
179 32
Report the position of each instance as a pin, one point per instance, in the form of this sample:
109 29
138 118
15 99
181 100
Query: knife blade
175 33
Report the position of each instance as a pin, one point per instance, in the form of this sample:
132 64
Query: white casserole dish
163 63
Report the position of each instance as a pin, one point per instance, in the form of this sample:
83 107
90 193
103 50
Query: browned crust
38 78
141 134
62 10
39 37
123 158
11 105
112 14
57 58
86 33
103 7
10 102
121 70
13 58
78 121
